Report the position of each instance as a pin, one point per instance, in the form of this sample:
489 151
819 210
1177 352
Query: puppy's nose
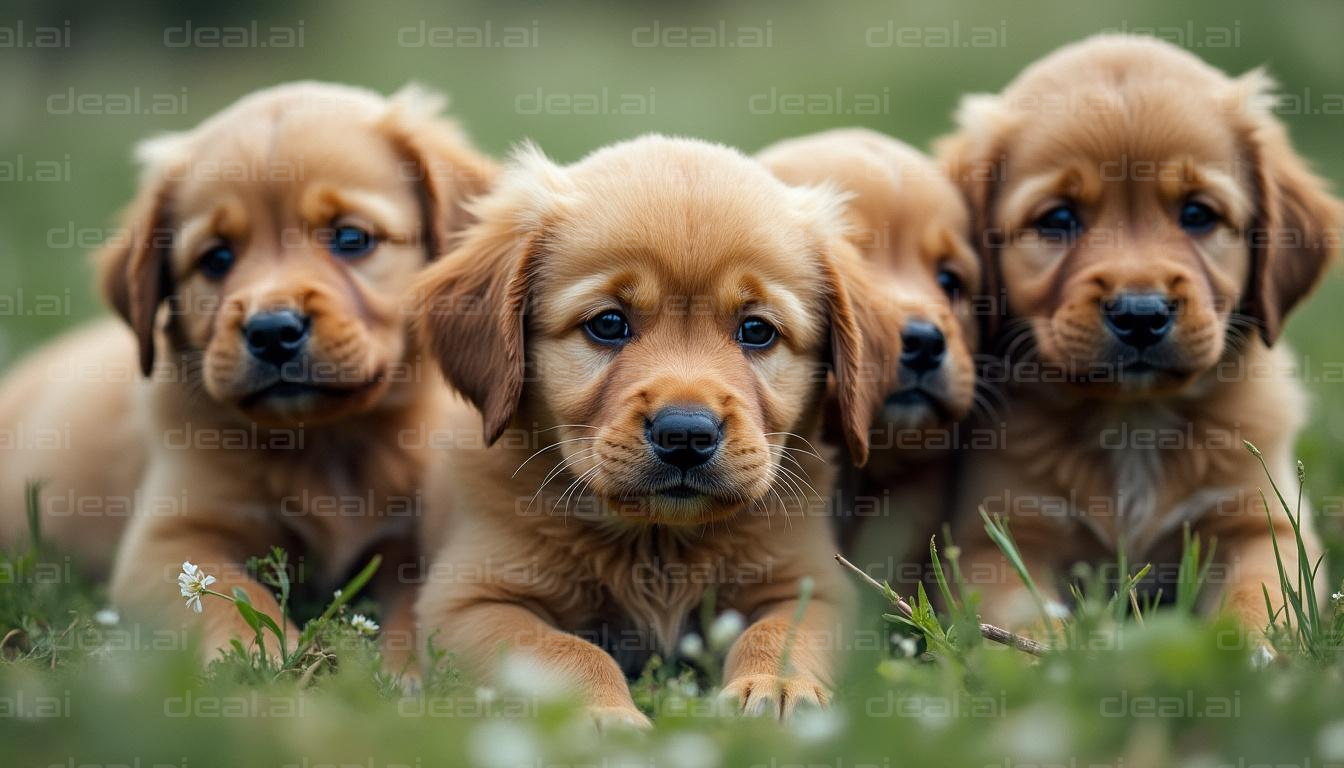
1139 319
276 337
684 438
922 346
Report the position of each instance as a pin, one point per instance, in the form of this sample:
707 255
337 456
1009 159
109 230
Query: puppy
652 329
261 272
910 223
1147 228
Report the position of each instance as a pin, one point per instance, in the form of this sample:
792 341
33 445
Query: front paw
608 718
772 695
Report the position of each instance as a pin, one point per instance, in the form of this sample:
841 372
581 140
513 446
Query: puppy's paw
608 718
774 696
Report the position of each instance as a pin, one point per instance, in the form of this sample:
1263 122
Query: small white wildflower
336 595
364 625
691 646
193 583
689 750
108 617
1056 610
725 629
1262 657
814 724
503 743
908 646
485 695
1337 596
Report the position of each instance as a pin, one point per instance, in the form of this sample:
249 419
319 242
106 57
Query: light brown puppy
910 223
1147 227
652 332
262 269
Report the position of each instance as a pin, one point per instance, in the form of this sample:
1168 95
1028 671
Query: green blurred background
909 60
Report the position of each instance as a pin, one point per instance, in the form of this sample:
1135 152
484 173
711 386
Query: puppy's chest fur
1130 474
636 591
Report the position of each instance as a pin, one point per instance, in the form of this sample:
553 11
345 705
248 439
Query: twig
988 631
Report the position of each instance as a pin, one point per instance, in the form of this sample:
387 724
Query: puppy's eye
1198 218
216 262
756 333
950 282
1061 222
351 242
608 328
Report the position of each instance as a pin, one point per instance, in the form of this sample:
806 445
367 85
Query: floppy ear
1297 224
451 172
473 302
855 343
973 159
864 345
133 271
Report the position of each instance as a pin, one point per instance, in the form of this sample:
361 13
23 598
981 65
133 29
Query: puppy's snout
1139 319
684 438
923 346
276 337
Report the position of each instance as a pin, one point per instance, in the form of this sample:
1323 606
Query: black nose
276 337
1139 319
684 438
922 346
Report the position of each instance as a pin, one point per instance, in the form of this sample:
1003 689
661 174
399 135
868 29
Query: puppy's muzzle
276 337
684 438
1139 320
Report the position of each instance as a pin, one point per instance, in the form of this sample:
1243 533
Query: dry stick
988 631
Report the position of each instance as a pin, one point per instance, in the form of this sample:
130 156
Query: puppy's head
1143 213
269 247
665 307
910 223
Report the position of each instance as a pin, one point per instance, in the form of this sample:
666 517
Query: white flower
908 646
691 646
689 750
107 617
193 583
1337 596
1262 657
725 629
364 625
1056 610
814 724
486 695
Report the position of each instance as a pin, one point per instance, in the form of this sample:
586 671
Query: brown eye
951 283
756 333
1061 222
1198 218
608 328
217 262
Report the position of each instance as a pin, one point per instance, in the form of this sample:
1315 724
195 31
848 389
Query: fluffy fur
1106 448
220 464
577 558
908 221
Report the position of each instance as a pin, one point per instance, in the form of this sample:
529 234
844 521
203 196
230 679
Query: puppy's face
681 316
910 223
289 227
1132 199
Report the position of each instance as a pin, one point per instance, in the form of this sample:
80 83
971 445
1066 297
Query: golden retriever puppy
262 272
910 223
1147 228
652 330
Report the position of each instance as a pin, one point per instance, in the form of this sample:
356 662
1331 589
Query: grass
1121 683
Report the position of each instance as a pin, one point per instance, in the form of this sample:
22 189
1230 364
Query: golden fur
909 222
688 239
1105 450
231 467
